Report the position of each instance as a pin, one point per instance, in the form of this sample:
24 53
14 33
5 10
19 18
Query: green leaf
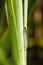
15 16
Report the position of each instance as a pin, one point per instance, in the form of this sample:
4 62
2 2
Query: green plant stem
16 30
25 28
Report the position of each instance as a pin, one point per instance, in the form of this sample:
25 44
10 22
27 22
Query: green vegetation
11 33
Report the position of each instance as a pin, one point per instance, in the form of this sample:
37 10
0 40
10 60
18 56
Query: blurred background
35 32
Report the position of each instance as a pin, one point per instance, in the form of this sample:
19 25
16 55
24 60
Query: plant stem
15 15
25 27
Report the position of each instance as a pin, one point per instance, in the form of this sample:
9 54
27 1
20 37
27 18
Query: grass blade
16 30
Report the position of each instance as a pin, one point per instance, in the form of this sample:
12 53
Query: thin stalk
25 27
6 13
25 12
